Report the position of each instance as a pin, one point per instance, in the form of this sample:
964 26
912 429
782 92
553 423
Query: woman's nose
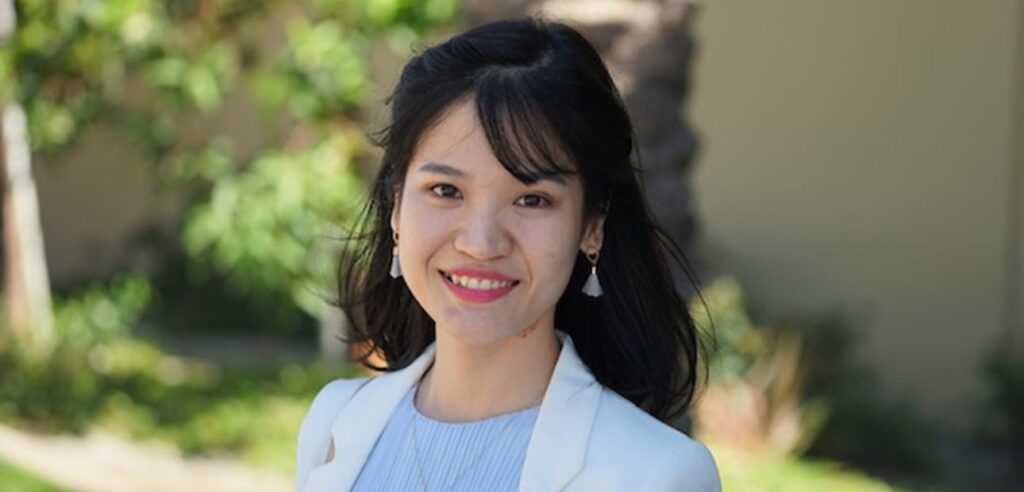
483 236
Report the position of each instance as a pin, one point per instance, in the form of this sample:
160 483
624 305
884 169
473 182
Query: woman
513 281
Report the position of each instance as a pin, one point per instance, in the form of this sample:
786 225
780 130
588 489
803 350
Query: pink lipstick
477 295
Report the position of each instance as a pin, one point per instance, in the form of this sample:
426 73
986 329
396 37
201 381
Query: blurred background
846 177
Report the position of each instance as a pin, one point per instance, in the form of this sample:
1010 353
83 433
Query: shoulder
315 432
333 396
627 438
326 405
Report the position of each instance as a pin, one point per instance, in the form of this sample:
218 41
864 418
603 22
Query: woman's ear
593 234
394 211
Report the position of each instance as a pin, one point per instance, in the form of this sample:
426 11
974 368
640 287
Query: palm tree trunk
648 47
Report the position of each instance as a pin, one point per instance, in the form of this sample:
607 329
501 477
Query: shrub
99 313
1003 415
756 400
101 374
794 386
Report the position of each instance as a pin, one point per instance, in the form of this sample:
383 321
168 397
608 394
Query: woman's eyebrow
447 170
556 178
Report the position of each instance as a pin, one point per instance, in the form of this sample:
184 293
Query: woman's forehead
456 134
457 145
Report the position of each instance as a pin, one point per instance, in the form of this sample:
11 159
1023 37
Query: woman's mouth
477 290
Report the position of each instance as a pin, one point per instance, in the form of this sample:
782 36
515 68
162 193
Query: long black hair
548 106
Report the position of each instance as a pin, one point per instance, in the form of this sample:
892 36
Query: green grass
742 472
16 479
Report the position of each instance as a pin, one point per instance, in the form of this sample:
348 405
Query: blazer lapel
358 425
558 446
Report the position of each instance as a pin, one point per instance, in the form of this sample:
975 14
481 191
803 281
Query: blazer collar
557 447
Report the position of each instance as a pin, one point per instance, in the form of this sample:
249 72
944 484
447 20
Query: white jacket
587 438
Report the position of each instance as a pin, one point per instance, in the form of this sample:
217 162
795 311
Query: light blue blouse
485 454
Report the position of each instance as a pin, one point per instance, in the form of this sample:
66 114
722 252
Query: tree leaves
157 71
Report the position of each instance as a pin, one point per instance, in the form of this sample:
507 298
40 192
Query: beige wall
100 193
856 156
1013 305
96 196
93 199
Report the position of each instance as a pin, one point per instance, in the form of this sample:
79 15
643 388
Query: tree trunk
648 49
26 282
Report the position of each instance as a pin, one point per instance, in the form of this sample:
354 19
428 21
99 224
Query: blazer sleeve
315 432
687 468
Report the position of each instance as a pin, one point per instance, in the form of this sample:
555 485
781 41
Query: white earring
396 269
592 287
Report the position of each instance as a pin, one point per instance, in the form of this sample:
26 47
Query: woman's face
484 254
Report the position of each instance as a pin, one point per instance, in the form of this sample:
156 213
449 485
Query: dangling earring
592 287
396 269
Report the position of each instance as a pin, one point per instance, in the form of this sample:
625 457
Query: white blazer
586 437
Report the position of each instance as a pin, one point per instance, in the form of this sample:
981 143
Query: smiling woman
471 221
512 278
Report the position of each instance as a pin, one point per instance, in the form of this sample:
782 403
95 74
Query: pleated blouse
417 453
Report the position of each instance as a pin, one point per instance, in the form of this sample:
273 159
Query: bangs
523 138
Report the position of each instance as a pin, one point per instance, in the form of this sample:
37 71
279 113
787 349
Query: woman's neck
475 382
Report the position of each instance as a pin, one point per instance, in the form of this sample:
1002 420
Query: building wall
99 196
856 157
94 200
1013 305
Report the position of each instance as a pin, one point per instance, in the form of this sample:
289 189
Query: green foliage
201 80
98 313
91 326
196 299
737 341
794 386
1003 415
875 431
742 471
146 68
100 374
412 12
71 62
67 58
757 399
253 412
323 73
132 387
266 224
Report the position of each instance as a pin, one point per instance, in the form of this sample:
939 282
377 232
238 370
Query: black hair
549 107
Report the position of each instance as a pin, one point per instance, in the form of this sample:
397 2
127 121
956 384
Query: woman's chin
482 333
472 336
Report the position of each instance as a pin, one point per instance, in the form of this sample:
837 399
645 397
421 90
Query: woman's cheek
553 241
429 226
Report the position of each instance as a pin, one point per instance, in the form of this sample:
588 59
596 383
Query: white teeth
478 284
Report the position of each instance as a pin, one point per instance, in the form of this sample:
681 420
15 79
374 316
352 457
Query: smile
478 290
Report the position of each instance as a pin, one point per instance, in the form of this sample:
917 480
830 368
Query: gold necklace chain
418 459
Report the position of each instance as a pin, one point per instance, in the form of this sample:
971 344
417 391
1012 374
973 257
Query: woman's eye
444 190
533 201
